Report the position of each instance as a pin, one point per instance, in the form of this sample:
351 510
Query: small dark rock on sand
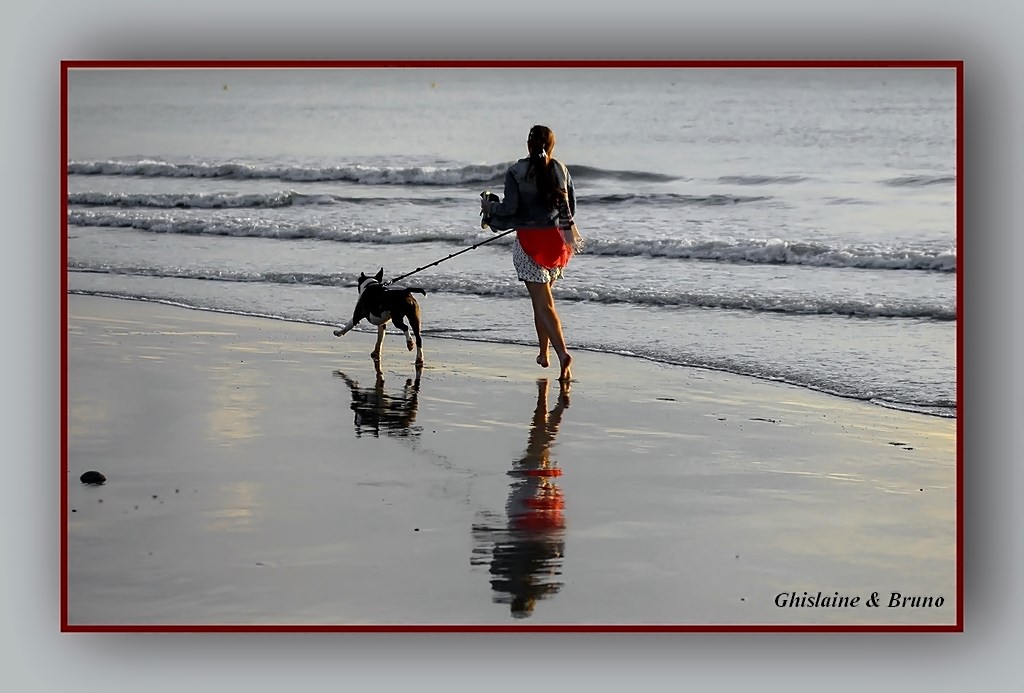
93 478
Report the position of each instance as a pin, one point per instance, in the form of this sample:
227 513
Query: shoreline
884 404
263 472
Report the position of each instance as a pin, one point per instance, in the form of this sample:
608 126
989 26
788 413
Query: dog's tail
407 290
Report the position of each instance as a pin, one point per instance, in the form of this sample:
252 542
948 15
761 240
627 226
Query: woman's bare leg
546 318
542 340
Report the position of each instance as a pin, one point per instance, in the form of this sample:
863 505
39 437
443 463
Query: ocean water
796 225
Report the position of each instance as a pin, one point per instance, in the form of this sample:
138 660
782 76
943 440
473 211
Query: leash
438 262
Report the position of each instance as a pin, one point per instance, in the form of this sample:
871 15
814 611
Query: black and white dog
377 304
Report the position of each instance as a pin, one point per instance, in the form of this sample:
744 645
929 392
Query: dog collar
366 284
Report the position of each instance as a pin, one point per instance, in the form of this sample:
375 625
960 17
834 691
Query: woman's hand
487 198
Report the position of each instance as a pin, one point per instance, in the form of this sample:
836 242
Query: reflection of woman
539 199
527 556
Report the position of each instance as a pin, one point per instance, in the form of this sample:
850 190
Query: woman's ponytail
540 143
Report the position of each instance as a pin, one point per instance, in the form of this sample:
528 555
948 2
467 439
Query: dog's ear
361 277
380 275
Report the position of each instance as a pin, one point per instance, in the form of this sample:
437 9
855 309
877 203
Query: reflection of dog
377 411
377 304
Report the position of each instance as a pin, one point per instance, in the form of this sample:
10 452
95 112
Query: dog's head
365 280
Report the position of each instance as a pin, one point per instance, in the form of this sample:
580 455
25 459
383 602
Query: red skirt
545 246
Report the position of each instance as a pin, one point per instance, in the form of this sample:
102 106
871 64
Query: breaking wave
793 304
752 251
350 173
291 198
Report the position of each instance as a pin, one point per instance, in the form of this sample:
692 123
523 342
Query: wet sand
263 473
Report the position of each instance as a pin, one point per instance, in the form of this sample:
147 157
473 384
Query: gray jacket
521 206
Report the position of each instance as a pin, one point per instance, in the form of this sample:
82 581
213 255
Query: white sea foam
786 303
755 251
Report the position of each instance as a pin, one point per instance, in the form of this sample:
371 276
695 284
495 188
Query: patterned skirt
544 257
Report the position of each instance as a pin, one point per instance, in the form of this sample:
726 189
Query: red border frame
957 65
64 346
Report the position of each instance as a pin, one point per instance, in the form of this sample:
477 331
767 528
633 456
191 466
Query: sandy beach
263 473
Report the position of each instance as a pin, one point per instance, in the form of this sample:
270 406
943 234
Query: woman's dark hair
540 143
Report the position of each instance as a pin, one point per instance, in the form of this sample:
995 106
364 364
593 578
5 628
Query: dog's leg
414 322
341 332
400 324
380 341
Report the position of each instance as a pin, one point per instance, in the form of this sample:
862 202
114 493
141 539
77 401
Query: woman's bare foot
542 360
565 360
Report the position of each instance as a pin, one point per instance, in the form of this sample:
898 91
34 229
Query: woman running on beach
539 203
